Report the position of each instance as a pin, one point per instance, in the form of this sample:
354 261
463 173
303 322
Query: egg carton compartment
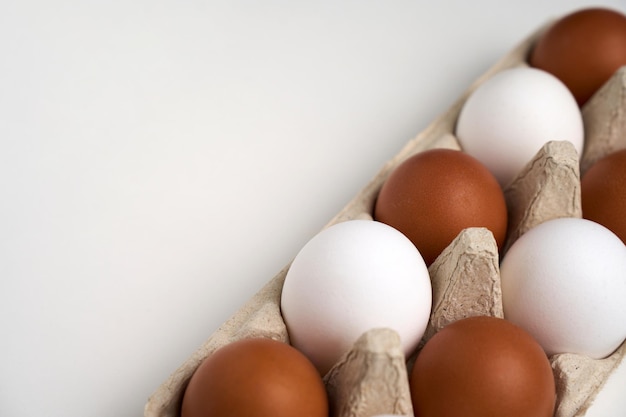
372 378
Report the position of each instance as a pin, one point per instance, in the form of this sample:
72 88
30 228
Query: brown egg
482 366
435 194
603 193
255 378
583 49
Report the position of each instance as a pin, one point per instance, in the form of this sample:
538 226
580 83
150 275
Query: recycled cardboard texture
578 379
549 187
370 379
465 280
604 117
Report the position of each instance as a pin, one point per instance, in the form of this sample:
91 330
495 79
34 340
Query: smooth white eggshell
509 117
564 281
352 277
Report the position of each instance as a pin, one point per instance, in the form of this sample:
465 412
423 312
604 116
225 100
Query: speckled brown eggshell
583 50
482 366
435 194
255 378
603 193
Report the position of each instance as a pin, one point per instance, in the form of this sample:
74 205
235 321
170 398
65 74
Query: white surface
161 160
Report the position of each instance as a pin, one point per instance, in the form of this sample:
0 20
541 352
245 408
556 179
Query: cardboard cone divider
372 378
604 119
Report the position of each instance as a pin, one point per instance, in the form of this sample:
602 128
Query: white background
161 160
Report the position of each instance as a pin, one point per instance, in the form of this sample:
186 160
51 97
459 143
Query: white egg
509 117
350 278
564 282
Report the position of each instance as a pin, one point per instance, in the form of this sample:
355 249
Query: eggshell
564 281
255 378
603 193
350 278
482 366
433 195
583 49
509 117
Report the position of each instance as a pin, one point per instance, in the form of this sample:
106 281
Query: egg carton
372 378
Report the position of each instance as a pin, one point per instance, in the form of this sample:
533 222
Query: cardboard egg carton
372 378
